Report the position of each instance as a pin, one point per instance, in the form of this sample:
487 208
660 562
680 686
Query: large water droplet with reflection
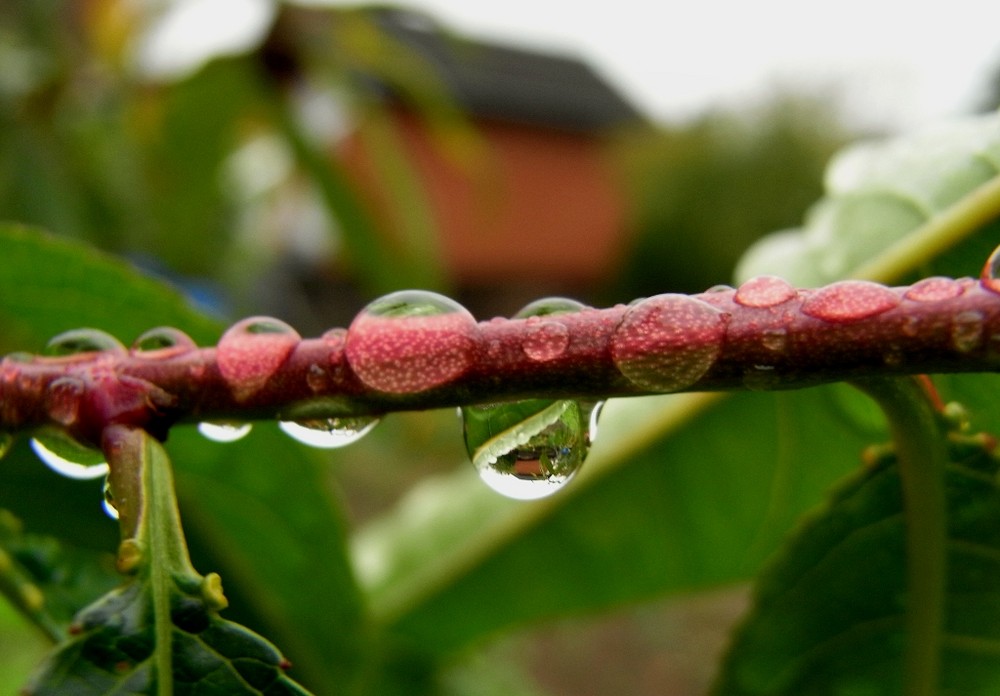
67 457
219 431
251 351
328 433
411 341
529 449
82 341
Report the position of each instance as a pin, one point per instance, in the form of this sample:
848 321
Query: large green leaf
829 612
258 510
685 492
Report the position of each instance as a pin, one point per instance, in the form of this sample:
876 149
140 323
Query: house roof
501 82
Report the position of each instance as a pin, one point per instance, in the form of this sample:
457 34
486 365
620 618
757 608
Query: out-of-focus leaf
880 193
829 612
160 632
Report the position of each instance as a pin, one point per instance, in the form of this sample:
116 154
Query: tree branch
763 335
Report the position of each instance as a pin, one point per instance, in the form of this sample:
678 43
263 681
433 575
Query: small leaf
829 614
160 632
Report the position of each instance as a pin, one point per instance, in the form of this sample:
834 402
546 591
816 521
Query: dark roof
501 82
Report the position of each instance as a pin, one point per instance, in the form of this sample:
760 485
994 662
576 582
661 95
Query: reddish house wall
539 204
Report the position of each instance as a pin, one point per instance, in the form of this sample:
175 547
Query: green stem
922 453
940 233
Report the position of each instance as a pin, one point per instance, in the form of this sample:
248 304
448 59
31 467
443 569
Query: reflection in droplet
162 341
547 340
411 341
328 433
528 449
69 458
63 399
224 432
82 341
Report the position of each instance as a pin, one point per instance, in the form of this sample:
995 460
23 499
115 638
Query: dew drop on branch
219 431
529 449
849 301
546 339
934 289
251 351
67 457
989 277
82 341
329 433
667 342
162 342
411 341
764 291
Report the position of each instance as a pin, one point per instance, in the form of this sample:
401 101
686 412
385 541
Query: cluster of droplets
530 449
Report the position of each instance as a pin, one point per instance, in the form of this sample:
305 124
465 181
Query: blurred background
299 159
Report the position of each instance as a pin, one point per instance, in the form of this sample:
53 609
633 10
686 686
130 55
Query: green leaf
160 632
829 610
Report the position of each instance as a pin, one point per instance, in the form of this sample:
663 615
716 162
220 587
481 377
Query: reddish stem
765 335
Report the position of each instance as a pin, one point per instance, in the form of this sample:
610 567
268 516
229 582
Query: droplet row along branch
763 335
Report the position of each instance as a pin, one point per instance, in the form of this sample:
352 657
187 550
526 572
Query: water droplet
6 442
967 331
764 291
667 342
82 341
162 342
546 340
720 288
67 457
317 378
328 433
63 398
224 432
774 339
989 278
108 503
529 449
934 289
848 301
251 351
411 341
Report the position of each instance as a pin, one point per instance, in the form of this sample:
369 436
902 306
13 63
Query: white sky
894 63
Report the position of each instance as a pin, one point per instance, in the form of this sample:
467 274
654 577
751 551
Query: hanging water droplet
82 341
67 457
6 442
108 502
934 289
251 351
411 341
546 340
161 342
224 432
527 449
667 342
848 301
328 433
967 330
989 277
764 291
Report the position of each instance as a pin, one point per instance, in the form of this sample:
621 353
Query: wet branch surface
763 335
